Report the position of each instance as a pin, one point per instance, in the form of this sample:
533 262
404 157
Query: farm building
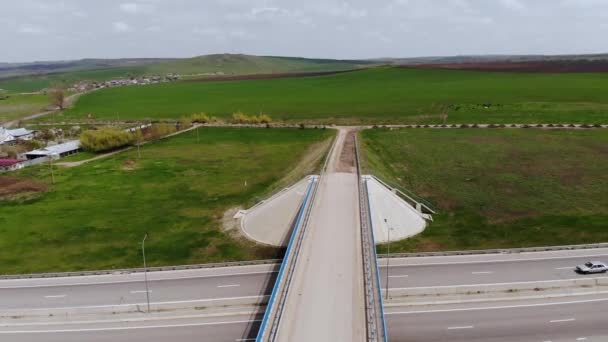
12 136
9 164
56 151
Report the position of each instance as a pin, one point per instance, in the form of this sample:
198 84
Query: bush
264 118
105 139
242 118
158 131
239 118
200 118
185 122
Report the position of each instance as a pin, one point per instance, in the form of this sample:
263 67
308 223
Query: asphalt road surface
583 318
556 320
566 319
194 285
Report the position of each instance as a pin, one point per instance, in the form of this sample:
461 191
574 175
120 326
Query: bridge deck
326 299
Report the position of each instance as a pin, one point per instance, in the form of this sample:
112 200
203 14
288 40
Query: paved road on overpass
326 299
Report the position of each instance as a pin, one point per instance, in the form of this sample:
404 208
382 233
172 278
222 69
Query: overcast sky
71 29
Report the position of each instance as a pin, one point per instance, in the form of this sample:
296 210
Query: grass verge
498 188
95 215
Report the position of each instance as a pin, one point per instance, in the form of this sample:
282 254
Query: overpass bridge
328 286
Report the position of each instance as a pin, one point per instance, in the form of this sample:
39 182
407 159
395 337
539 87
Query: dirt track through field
346 162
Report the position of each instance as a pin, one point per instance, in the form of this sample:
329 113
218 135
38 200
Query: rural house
12 136
9 165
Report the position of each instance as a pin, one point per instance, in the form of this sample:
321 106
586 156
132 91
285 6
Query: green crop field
16 106
498 188
95 215
380 95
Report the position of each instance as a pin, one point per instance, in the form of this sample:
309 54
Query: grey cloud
68 29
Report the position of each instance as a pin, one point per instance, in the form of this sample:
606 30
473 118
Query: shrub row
105 139
242 118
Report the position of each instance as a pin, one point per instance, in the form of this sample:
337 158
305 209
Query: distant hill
26 77
492 59
237 64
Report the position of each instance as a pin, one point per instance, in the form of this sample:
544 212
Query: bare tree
57 96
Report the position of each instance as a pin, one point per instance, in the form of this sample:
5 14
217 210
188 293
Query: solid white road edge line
138 304
131 320
487 261
131 281
482 272
229 285
562 320
457 328
497 307
55 296
496 284
125 328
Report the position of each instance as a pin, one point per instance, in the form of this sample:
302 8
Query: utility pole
51 156
139 135
388 256
143 251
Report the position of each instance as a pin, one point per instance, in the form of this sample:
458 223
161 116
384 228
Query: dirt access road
326 298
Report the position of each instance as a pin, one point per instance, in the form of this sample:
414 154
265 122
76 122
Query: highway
556 320
182 329
195 286
242 281
576 319
501 322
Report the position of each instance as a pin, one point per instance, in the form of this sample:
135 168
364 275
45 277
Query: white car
592 267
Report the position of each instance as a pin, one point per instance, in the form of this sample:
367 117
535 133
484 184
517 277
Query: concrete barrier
199 305
515 290
139 270
498 251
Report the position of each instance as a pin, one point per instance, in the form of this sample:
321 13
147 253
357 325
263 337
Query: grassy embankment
95 215
380 95
498 188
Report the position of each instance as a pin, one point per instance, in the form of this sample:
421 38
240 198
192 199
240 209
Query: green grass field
95 215
498 188
16 106
380 95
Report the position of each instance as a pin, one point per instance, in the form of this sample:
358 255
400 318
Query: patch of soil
230 224
428 246
537 67
347 160
267 76
129 165
13 186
